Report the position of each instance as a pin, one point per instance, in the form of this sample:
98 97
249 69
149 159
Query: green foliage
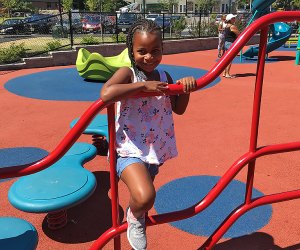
178 26
194 29
284 4
89 40
296 4
207 29
92 5
59 31
112 5
206 4
104 5
11 5
53 45
67 4
168 4
120 38
12 54
241 3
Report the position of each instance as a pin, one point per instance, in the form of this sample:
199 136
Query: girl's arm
220 27
120 86
180 102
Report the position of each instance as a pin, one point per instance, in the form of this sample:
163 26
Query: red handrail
248 158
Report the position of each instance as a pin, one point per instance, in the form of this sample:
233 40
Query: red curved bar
61 148
249 158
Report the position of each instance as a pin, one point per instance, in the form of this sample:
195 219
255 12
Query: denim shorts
123 162
227 45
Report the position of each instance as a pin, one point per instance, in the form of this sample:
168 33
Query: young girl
144 126
221 29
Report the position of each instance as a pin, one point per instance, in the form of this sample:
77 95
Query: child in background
221 29
144 126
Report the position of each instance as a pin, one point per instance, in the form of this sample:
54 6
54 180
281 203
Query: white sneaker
136 231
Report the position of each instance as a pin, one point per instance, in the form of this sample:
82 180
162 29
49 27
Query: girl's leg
142 196
141 188
223 45
220 45
227 72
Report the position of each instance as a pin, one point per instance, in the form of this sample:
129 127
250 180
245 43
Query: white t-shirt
223 27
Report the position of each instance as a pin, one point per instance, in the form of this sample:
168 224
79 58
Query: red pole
256 109
113 174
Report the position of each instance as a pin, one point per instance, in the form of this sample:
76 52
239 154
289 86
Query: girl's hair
142 25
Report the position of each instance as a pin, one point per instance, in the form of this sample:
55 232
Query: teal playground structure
297 61
279 32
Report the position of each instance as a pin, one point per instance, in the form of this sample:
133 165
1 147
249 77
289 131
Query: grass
39 44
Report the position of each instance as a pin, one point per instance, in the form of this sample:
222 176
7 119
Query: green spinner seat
94 66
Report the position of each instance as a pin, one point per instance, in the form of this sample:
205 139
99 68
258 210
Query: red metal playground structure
248 159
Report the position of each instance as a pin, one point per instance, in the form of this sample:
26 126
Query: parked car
108 23
76 26
40 23
166 22
14 26
91 24
125 20
152 16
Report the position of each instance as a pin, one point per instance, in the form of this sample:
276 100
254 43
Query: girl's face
147 50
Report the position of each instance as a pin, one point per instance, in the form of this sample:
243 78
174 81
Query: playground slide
280 31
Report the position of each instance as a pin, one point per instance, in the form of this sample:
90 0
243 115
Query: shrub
12 54
121 37
178 26
53 45
207 29
89 40
59 32
194 29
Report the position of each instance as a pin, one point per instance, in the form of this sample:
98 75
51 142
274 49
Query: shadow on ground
245 75
87 221
283 58
255 241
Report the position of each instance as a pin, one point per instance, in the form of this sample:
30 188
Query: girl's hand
155 86
189 84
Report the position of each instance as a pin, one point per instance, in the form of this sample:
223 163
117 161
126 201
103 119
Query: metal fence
39 34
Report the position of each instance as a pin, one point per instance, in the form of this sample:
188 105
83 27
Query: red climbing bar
249 158
260 24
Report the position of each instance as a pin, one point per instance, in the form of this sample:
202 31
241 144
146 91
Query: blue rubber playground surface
67 85
190 190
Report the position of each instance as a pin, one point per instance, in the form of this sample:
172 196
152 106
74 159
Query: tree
284 4
296 4
241 4
67 5
92 5
206 5
168 4
11 5
112 5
